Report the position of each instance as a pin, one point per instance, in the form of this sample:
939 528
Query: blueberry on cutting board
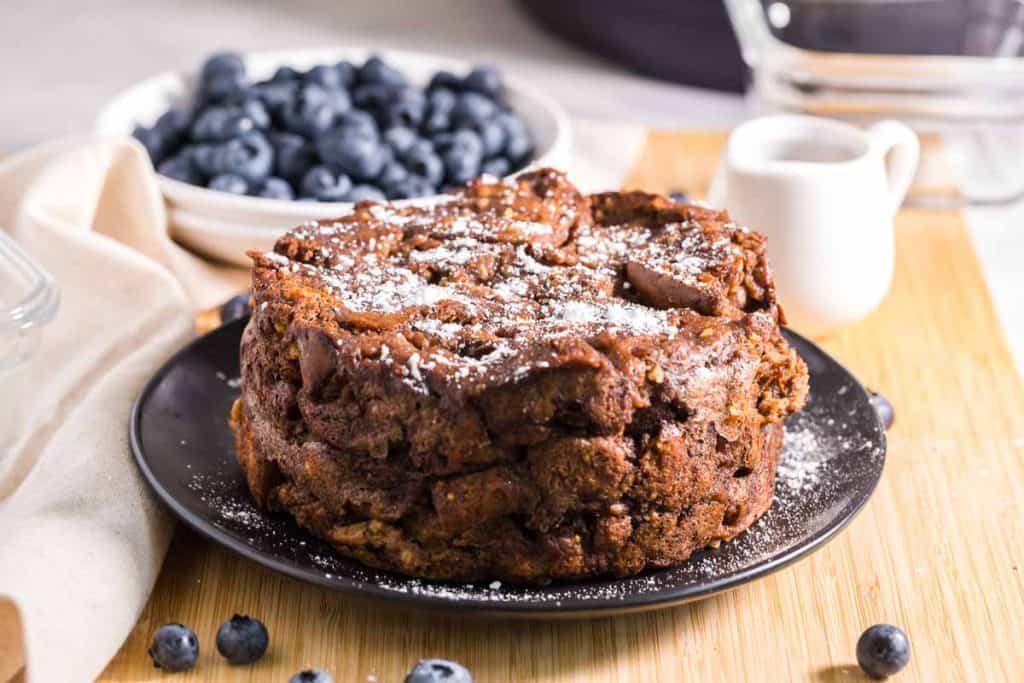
883 650
175 648
312 676
242 639
438 671
882 406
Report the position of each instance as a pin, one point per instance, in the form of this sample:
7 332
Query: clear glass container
948 67
29 298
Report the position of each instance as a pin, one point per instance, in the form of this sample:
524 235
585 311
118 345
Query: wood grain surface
938 551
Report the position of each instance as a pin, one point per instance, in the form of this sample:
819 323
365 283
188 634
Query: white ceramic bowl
223 225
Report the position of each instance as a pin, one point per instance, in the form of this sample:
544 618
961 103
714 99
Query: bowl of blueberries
250 145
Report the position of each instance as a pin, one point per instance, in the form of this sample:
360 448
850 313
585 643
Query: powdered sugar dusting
506 269
801 465
620 315
232 512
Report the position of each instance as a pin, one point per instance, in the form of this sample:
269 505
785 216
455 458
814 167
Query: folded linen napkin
81 539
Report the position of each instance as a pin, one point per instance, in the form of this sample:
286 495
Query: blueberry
400 139
285 74
437 121
257 113
485 80
310 120
242 639
249 156
442 99
175 648
234 308
883 407
497 167
518 148
392 173
442 141
276 96
276 188
156 143
493 136
338 193
362 193
313 112
411 187
353 152
340 100
232 184
440 103
678 197
221 63
224 88
512 124
293 156
883 650
445 79
174 122
346 72
217 124
518 143
280 140
325 76
374 96
464 140
317 180
354 119
312 676
461 165
421 146
472 108
180 168
423 161
438 671
324 185
205 158
376 70
407 108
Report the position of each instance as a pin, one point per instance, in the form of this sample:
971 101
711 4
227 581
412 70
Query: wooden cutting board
939 550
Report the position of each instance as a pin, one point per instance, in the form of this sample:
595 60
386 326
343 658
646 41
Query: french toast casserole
519 382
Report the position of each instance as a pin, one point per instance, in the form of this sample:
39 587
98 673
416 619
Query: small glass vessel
29 299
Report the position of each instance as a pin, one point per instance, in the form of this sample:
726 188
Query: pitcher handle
899 149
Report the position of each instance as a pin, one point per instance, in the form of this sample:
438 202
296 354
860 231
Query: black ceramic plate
833 459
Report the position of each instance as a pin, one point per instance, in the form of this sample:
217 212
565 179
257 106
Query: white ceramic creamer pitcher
825 193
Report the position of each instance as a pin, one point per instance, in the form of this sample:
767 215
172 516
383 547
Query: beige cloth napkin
81 539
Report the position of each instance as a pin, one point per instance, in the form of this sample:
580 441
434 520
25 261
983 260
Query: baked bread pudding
520 382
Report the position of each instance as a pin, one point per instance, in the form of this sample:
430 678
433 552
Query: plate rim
568 608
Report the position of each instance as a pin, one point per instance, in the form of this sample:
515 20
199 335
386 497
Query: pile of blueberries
243 640
337 132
